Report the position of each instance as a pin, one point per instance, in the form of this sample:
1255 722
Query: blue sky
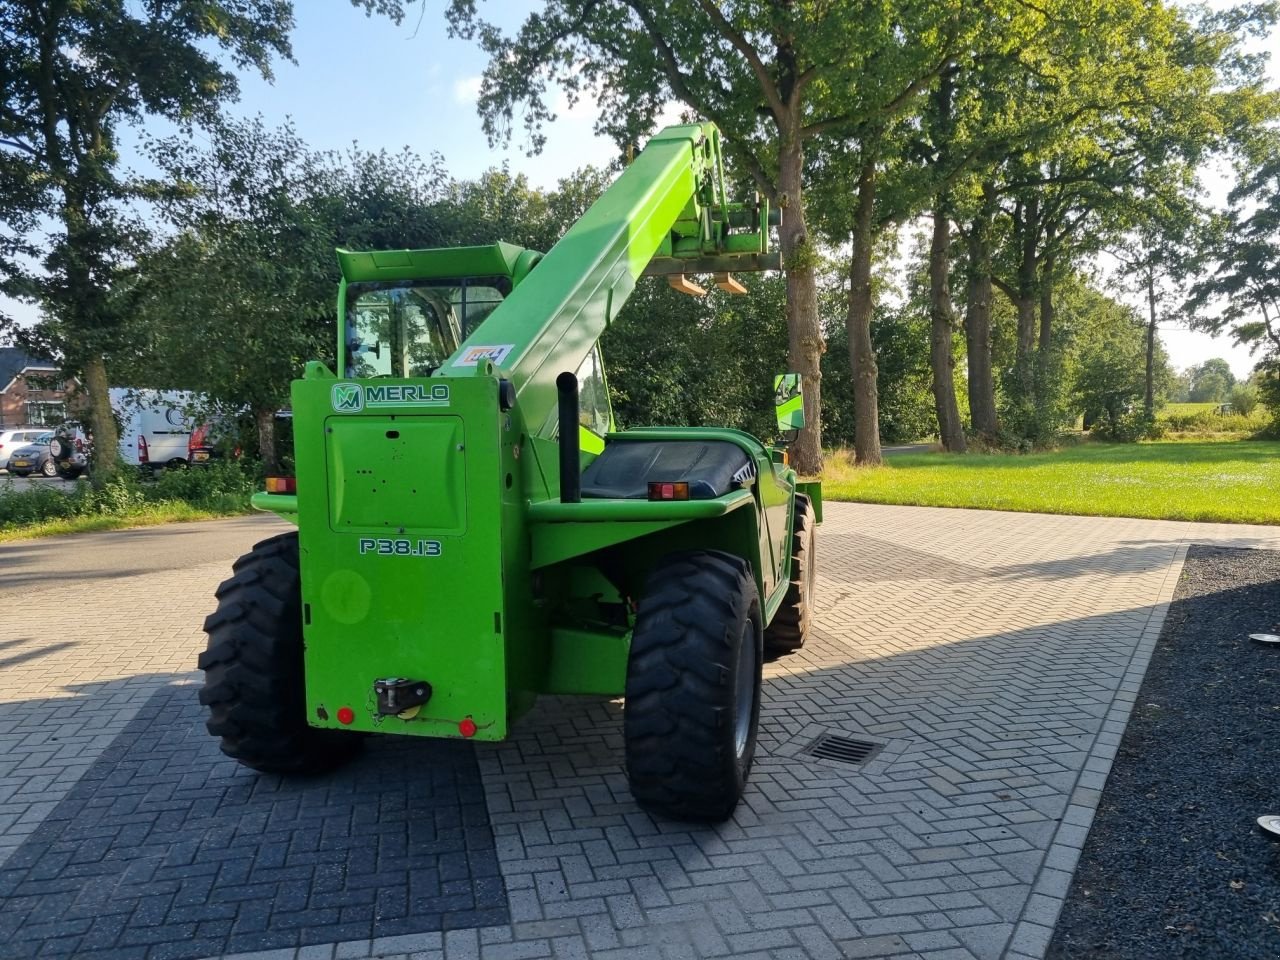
365 79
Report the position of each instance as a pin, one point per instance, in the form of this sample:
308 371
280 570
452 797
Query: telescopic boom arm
666 215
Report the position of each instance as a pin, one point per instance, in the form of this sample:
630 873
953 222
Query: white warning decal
472 356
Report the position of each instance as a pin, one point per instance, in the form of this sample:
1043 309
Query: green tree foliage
1244 284
773 76
1243 399
71 73
242 296
1095 370
675 359
1211 381
1102 122
1109 383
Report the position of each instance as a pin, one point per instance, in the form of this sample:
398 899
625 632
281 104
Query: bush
1126 428
209 484
1206 421
221 487
1244 399
36 504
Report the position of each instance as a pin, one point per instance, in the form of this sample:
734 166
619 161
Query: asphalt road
8 481
40 565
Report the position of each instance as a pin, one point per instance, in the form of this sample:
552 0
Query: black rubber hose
570 456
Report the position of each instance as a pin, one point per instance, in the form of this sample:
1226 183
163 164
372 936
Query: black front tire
49 469
790 627
253 668
693 687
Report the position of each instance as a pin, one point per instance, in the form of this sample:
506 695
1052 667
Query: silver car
34 457
14 437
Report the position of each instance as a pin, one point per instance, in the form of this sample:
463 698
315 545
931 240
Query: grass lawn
148 516
1185 409
1230 482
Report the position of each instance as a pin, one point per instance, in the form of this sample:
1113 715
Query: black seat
625 468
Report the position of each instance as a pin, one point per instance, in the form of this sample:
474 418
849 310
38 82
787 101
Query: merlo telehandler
473 531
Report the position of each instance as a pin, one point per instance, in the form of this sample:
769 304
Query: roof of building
13 360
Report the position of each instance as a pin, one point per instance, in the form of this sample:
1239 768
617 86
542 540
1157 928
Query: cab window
593 397
409 329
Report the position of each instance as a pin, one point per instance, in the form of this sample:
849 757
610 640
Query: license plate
20 463
200 455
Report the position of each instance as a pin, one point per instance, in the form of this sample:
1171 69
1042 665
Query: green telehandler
472 531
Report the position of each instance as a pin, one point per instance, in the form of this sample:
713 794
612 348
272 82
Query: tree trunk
866 400
1046 305
942 328
977 321
265 419
804 332
106 438
1026 301
1149 394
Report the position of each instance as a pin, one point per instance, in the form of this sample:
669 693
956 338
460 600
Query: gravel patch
1175 865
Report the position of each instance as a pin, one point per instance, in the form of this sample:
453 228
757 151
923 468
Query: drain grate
843 749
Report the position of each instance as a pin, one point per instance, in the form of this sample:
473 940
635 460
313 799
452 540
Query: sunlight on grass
1227 482
149 516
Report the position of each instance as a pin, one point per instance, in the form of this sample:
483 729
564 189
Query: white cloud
467 90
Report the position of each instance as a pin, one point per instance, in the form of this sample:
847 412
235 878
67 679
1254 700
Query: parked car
34 458
70 449
14 437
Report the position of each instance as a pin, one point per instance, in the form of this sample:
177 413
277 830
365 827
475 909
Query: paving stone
996 655
266 905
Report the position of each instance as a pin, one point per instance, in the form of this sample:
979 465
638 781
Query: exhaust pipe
570 455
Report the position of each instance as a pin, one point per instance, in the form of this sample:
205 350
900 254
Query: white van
155 425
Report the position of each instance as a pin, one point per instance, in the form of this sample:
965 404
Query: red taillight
668 491
282 484
142 449
346 716
467 727
198 437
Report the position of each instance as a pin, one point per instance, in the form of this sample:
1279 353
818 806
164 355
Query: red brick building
31 391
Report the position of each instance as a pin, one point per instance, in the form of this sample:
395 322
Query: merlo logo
347 398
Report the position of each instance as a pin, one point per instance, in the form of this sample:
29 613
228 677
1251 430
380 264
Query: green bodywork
434 545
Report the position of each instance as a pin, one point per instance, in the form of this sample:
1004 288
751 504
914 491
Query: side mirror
788 404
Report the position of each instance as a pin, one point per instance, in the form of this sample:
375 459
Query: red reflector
668 491
142 450
282 484
346 715
467 727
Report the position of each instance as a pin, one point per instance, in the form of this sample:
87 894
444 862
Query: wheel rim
49 469
745 686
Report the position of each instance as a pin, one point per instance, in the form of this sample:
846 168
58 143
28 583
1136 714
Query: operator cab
409 328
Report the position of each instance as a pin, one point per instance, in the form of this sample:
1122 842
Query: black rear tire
790 627
253 669
693 687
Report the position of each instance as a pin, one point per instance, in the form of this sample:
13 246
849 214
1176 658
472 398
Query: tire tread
254 685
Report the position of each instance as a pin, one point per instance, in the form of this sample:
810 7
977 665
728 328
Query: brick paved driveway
994 657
